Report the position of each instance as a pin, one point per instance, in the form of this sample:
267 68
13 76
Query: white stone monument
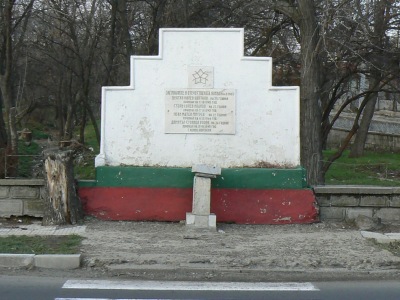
200 101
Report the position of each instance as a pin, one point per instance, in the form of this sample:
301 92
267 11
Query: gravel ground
171 251
322 250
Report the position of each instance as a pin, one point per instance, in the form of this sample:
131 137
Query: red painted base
264 206
239 206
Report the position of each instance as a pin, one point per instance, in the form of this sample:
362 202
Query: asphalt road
42 288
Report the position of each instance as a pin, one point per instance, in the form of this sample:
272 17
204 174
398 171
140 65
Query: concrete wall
375 140
345 203
19 197
336 203
241 196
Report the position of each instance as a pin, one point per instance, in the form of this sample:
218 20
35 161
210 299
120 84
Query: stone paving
37 229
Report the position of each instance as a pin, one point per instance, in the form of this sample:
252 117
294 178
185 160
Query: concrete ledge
23 182
49 261
339 200
389 214
356 189
375 201
58 261
33 207
19 197
395 201
16 260
372 201
9 207
380 238
332 213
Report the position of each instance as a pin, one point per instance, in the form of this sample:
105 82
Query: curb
381 238
48 261
217 274
16 260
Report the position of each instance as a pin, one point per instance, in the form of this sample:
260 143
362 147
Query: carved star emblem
200 77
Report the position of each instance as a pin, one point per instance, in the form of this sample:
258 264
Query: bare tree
304 16
72 44
12 18
60 59
381 11
354 48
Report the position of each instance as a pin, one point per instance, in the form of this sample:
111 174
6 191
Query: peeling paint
280 219
146 133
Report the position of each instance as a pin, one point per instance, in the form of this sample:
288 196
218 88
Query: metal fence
22 165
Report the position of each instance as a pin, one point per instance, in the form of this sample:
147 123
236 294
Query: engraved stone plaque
204 111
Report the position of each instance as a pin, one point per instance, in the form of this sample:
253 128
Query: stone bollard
200 217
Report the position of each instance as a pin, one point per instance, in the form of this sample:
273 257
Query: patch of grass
84 163
39 130
69 244
32 149
90 137
39 135
393 247
85 170
374 168
28 155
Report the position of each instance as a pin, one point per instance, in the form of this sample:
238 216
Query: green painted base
237 178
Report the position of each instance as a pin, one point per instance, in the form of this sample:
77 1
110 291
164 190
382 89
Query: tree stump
62 204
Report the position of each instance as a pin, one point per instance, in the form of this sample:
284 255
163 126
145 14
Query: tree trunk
94 122
60 107
68 128
357 149
377 67
13 130
3 131
83 124
111 44
5 79
304 15
62 204
9 114
125 35
310 111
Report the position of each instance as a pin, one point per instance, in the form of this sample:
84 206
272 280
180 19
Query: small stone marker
206 171
201 216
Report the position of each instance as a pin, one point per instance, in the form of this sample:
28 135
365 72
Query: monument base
199 221
241 195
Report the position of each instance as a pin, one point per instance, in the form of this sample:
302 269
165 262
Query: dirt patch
393 247
14 221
